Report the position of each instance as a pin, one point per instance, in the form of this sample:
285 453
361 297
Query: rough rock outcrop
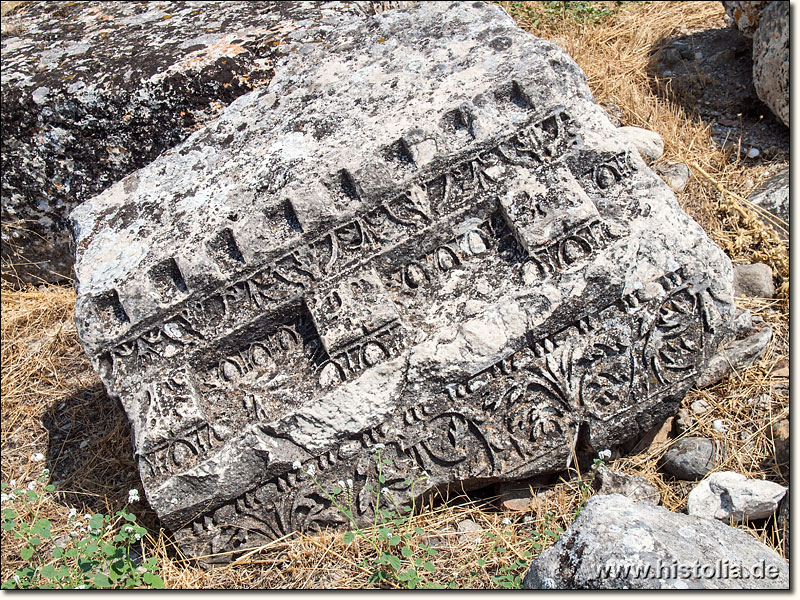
92 91
616 543
771 59
423 240
745 14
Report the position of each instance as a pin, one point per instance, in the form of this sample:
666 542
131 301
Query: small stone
719 426
470 531
676 175
519 495
780 438
684 421
616 543
736 355
648 143
727 495
635 487
753 281
753 153
700 407
690 458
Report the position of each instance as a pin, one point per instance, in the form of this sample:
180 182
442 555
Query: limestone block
423 239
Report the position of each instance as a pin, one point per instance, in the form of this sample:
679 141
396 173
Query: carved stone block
423 239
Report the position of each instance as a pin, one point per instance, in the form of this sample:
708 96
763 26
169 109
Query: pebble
753 281
690 458
753 153
635 487
700 407
648 143
719 426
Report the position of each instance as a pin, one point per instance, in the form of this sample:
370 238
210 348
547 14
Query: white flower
380 446
87 517
133 495
12 483
506 521
80 587
311 470
4 497
72 512
604 454
137 536
31 485
45 471
296 465
341 484
37 457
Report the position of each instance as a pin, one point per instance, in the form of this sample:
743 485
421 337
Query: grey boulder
771 59
745 14
732 496
92 91
616 543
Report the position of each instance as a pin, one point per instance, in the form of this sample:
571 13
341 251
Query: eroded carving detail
510 417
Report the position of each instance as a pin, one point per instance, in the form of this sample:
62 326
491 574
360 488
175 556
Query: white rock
648 143
728 495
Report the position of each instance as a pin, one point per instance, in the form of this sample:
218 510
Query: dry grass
53 403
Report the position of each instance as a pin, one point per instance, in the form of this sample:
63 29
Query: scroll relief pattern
513 417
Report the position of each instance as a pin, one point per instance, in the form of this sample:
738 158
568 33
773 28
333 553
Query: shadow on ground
710 74
90 454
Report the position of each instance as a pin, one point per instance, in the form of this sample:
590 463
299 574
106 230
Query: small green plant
586 13
100 552
398 557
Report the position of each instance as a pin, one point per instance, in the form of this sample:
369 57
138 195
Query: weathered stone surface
771 59
753 281
92 91
635 487
780 439
648 143
425 238
773 197
727 495
782 523
690 458
676 175
745 14
616 543
735 356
